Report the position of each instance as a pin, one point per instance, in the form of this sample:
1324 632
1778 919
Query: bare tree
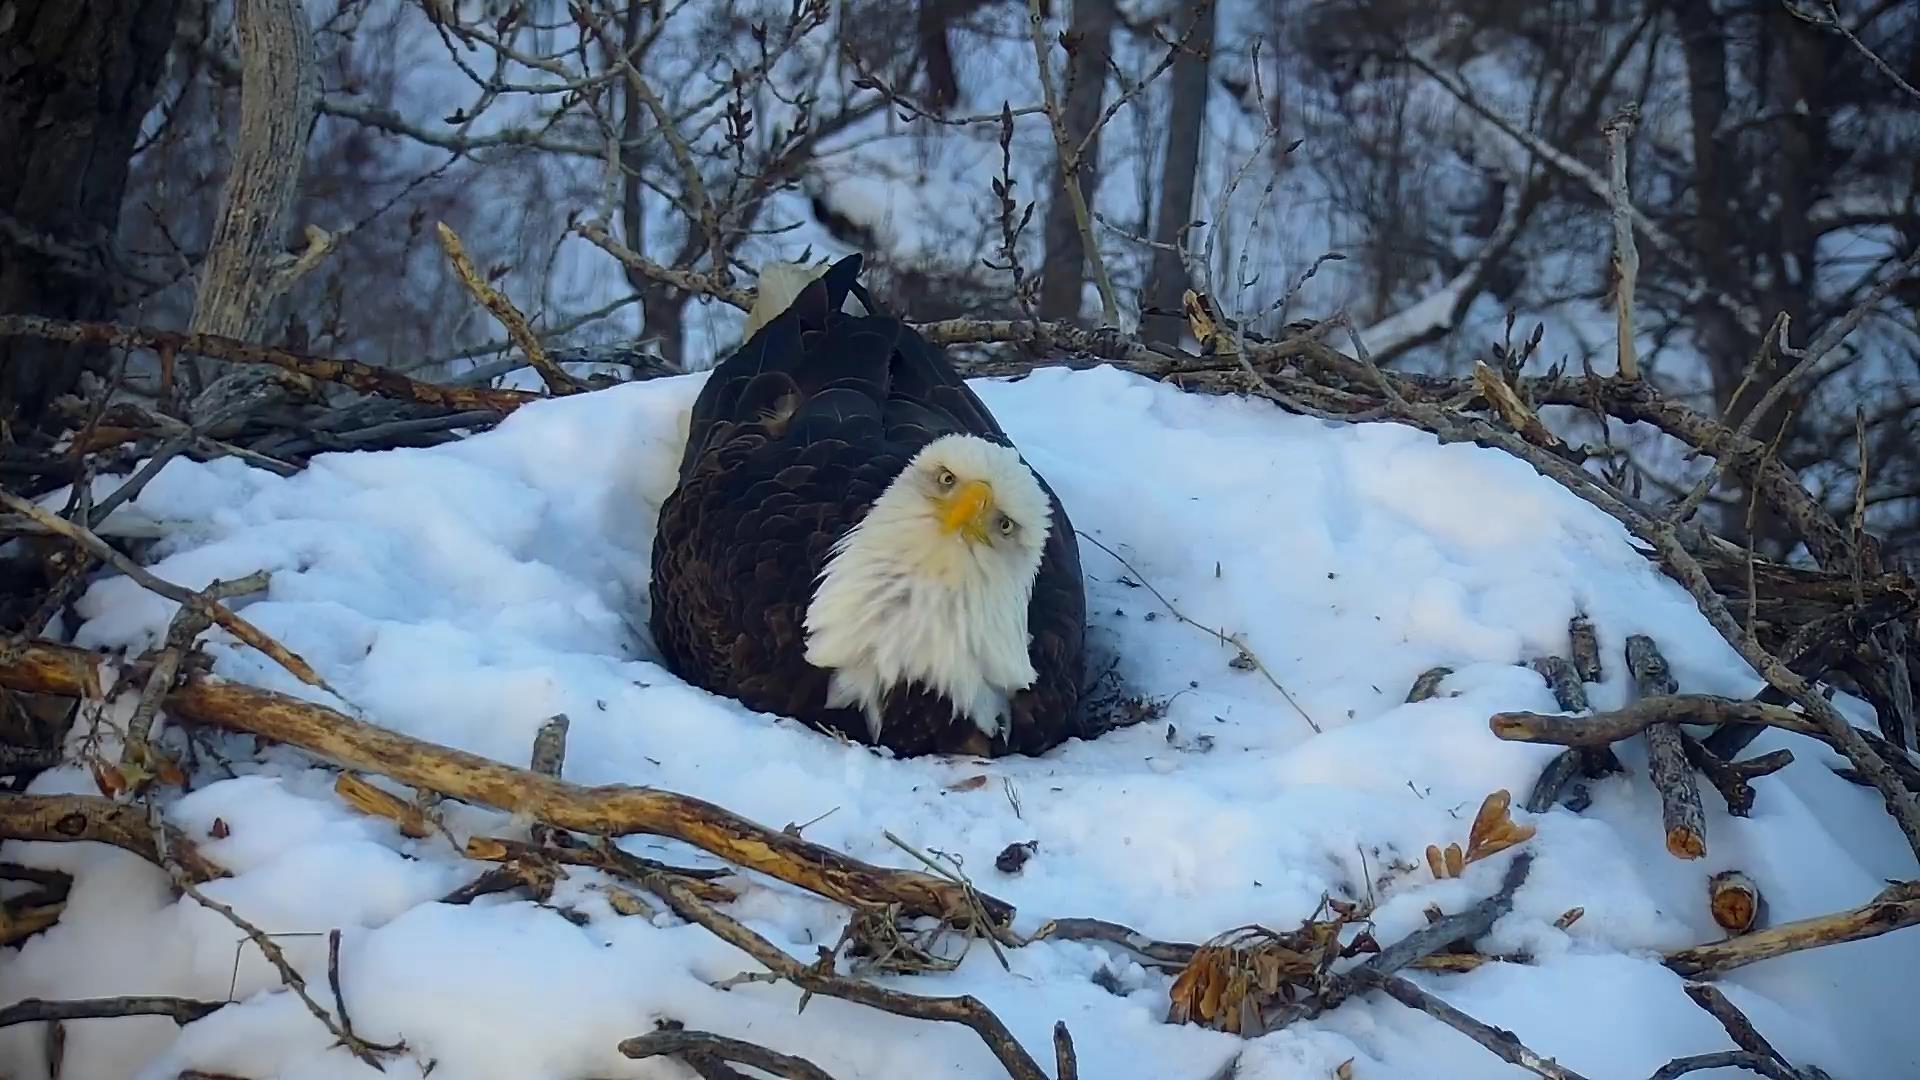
1089 44
1179 173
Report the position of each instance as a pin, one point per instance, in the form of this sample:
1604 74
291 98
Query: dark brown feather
791 440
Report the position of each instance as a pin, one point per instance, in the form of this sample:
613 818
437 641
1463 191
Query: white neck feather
901 602
780 284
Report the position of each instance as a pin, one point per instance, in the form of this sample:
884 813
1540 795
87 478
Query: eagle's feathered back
789 444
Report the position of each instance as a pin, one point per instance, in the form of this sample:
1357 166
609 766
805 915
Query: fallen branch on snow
1667 765
202 601
1504 1044
1895 908
605 811
820 979
704 1044
76 818
290 976
1567 680
179 1010
1603 728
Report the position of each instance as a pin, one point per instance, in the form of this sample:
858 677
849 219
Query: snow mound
465 593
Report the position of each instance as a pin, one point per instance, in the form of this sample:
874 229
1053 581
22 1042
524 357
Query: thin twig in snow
1225 639
965 1010
1504 1044
290 976
207 605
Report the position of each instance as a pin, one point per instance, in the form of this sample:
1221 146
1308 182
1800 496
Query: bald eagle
855 543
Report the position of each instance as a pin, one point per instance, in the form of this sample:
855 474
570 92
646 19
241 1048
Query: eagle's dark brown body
791 440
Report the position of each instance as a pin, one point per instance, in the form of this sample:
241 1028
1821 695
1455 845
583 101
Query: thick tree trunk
663 309
1179 172
1752 239
1065 273
243 274
76 79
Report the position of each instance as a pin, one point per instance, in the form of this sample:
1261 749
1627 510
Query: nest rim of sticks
1852 597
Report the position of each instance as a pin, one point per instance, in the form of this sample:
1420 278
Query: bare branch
365 378
1833 23
200 601
1503 1043
278 89
557 380
1667 766
819 979
607 811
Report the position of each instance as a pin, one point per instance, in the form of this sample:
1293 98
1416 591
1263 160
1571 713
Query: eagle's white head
932 586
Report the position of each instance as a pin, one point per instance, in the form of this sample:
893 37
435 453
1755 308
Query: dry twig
818 979
92 818
202 602
502 309
1504 1044
366 378
290 976
1234 640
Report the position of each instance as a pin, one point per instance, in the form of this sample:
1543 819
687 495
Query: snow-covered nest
464 594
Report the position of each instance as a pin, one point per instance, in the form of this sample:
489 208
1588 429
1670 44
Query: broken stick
1563 677
1667 765
69 818
1897 907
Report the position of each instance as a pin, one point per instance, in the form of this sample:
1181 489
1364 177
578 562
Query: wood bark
72 818
705 1044
279 92
180 1010
1065 273
1179 172
1897 907
1667 765
243 274
1736 902
76 79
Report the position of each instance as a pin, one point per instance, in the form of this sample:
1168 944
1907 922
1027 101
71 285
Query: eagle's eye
1006 525
945 478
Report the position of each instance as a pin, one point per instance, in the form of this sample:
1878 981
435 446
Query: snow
465 593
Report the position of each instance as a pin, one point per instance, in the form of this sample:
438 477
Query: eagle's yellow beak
965 511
